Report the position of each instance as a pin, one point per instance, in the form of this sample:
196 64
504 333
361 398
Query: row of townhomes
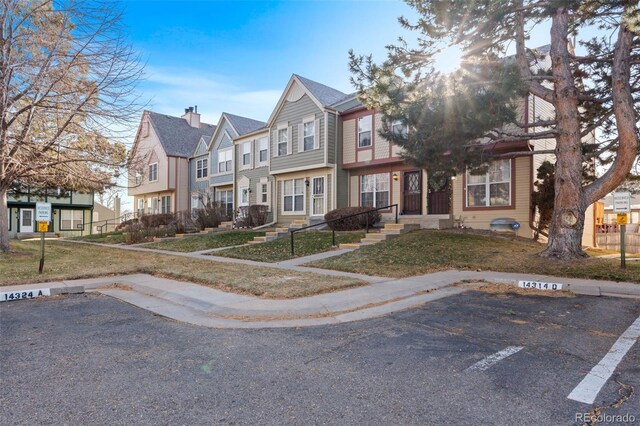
320 150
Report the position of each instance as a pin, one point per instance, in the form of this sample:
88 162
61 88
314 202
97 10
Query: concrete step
285 230
376 236
369 241
276 234
255 242
349 245
303 221
404 226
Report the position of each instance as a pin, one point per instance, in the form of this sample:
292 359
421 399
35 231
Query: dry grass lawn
65 260
425 251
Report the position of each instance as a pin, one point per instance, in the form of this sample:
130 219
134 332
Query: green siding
331 136
292 114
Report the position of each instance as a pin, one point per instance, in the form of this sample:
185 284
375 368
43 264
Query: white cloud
171 90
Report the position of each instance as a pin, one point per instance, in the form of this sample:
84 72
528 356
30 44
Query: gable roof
324 94
244 125
177 137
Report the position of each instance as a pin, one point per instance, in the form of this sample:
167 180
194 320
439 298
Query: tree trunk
567 223
4 220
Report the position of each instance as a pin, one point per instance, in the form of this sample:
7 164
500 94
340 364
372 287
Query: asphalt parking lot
474 358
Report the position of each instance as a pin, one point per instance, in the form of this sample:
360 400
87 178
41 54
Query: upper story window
308 134
283 141
399 128
153 172
246 154
264 149
202 168
492 188
225 161
364 131
138 177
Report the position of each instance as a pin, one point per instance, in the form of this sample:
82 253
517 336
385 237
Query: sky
237 56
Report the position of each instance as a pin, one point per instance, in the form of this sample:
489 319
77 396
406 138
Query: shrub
156 220
243 218
211 215
126 223
352 223
258 214
136 233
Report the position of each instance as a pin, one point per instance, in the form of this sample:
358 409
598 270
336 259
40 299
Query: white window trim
375 192
196 198
304 198
227 171
324 196
289 141
242 154
263 181
316 133
204 176
259 148
149 172
405 128
487 184
73 220
161 208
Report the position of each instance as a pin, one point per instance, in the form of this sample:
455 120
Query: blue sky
238 56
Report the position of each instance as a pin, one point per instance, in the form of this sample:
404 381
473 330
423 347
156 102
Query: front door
317 196
412 193
26 220
438 199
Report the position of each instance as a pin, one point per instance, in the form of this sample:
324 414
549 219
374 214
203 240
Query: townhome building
305 157
221 154
253 183
71 211
162 151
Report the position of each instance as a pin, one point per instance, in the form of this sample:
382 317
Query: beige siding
381 145
349 141
481 219
365 155
327 173
149 150
354 191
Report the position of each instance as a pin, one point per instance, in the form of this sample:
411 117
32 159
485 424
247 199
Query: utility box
505 224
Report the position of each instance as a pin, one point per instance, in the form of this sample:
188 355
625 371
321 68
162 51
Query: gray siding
342 175
194 184
221 141
254 176
292 114
331 136
201 149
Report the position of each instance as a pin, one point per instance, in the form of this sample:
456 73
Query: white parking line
589 387
491 360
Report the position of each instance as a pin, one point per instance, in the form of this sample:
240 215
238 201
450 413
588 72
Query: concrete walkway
201 305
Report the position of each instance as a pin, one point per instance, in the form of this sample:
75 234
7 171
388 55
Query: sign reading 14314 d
43 212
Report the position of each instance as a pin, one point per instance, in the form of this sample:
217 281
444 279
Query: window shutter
300 137
316 137
289 139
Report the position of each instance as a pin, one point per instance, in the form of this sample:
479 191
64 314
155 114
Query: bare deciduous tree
67 92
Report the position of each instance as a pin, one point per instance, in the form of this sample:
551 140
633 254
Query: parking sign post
43 217
622 206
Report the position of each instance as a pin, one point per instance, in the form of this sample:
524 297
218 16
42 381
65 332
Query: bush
352 223
211 215
258 214
243 218
156 220
126 223
136 233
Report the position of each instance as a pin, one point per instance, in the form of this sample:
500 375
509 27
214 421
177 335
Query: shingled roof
244 125
324 94
177 137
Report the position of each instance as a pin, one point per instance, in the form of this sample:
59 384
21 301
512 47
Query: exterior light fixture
306 182
395 176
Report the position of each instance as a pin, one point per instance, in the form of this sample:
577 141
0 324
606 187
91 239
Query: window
71 220
293 195
165 203
364 131
308 133
138 177
153 172
202 168
226 199
140 206
374 190
224 161
246 154
244 196
195 202
264 193
399 128
153 206
283 142
264 149
492 188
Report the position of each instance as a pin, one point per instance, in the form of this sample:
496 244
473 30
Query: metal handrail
333 231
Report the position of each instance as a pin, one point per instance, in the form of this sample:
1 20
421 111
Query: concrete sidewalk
205 306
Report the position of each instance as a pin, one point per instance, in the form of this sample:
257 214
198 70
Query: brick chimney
192 116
